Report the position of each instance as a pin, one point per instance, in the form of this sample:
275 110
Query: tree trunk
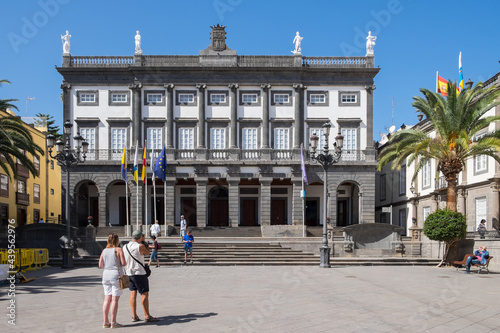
451 197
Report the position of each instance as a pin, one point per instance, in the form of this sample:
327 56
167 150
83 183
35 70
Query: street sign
386 209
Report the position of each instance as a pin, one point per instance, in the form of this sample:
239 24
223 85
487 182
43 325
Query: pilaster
136 112
234 115
297 203
299 114
265 115
201 201
66 88
233 202
201 116
369 115
170 115
265 201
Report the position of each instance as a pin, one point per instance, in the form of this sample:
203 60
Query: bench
482 267
459 264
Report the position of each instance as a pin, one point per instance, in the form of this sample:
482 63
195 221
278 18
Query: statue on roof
297 40
370 43
66 42
138 43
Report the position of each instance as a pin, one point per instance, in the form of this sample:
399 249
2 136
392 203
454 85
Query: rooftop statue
370 43
138 43
66 42
297 40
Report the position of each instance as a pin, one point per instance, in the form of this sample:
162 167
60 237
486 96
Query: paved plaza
267 299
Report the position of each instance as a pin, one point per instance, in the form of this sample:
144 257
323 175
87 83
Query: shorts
183 232
188 249
154 256
112 287
139 283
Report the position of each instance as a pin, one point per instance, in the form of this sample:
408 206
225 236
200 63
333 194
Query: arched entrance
87 203
116 209
218 207
348 205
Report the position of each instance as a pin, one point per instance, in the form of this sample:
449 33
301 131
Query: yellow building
27 200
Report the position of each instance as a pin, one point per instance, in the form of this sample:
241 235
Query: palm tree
456 121
6 103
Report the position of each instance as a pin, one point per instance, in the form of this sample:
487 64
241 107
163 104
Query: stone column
136 205
265 201
234 115
494 204
369 115
434 207
265 115
66 88
461 201
170 115
136 112
201 115
170 217
102 197
233 203
201 201
299 114
297 202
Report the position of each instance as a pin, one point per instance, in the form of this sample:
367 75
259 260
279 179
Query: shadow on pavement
169 320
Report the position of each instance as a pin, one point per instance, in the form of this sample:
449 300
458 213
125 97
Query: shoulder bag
123 280
146 267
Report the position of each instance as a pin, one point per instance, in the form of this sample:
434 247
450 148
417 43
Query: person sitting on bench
480 257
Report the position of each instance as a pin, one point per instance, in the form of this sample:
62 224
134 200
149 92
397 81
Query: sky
414 40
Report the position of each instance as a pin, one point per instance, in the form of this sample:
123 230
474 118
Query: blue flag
161 165
303 166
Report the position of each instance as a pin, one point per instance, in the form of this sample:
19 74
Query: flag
460 73
161 165
442 86
135 163
124 164
303 166
143 176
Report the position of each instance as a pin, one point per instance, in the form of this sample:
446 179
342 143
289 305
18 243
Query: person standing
41 220
134 255
183 226
154 252
481 228
111 260
155 229
481 256
188 245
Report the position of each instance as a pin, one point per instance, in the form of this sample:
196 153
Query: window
281 98
382 187
249 98
154 98
319 133
52 191
4 185
186 138
426 211
154 138
480 164
249 138
52 165
118 139
21 186
186 98
281 138
217 98
481 211
402 180
350 139
36 193
349 98
317 98
119 98
36 215
402 221
217 138
36 163
87 97
88 134
426 175
4 214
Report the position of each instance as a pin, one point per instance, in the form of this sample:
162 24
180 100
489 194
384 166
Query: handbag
146 267
123 280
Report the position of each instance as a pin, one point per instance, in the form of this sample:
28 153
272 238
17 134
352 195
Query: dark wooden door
94 210
312 209
123 211
342 217
219 214
278 211
248 212
21 217
188 209
160 210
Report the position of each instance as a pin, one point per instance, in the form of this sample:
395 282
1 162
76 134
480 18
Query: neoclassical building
232 126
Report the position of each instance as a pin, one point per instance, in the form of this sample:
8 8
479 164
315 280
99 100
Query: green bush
445 225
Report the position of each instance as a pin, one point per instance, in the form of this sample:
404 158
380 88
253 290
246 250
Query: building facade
232 127
407 201
27 199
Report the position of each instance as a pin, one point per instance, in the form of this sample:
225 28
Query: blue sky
415 39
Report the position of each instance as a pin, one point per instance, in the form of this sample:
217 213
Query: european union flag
161 165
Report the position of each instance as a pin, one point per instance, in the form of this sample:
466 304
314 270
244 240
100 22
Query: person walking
154 252
188 245
155 229
183 226
134 255
111 260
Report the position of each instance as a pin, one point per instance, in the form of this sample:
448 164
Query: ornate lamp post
326 160
66 157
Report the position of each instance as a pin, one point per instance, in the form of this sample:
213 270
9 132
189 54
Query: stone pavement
267 299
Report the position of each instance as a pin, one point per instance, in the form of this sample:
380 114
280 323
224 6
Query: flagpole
126 205
165 201
136 172
437 81
154 181
303 202
146 202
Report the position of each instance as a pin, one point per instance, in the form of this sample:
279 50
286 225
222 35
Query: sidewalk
266 299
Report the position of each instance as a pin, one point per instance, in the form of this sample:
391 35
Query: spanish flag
143 176
460 73
441 85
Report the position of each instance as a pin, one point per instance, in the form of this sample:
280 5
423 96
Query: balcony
22 171
441 183
22 199
230 155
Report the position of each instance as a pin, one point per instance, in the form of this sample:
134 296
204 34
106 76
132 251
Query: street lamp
326 159
66 157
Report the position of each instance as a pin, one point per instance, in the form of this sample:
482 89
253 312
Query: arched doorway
348 205
87 203
218 207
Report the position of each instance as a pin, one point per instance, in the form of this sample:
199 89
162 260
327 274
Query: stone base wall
282 230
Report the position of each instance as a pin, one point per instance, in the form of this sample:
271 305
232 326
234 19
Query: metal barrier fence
24 259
